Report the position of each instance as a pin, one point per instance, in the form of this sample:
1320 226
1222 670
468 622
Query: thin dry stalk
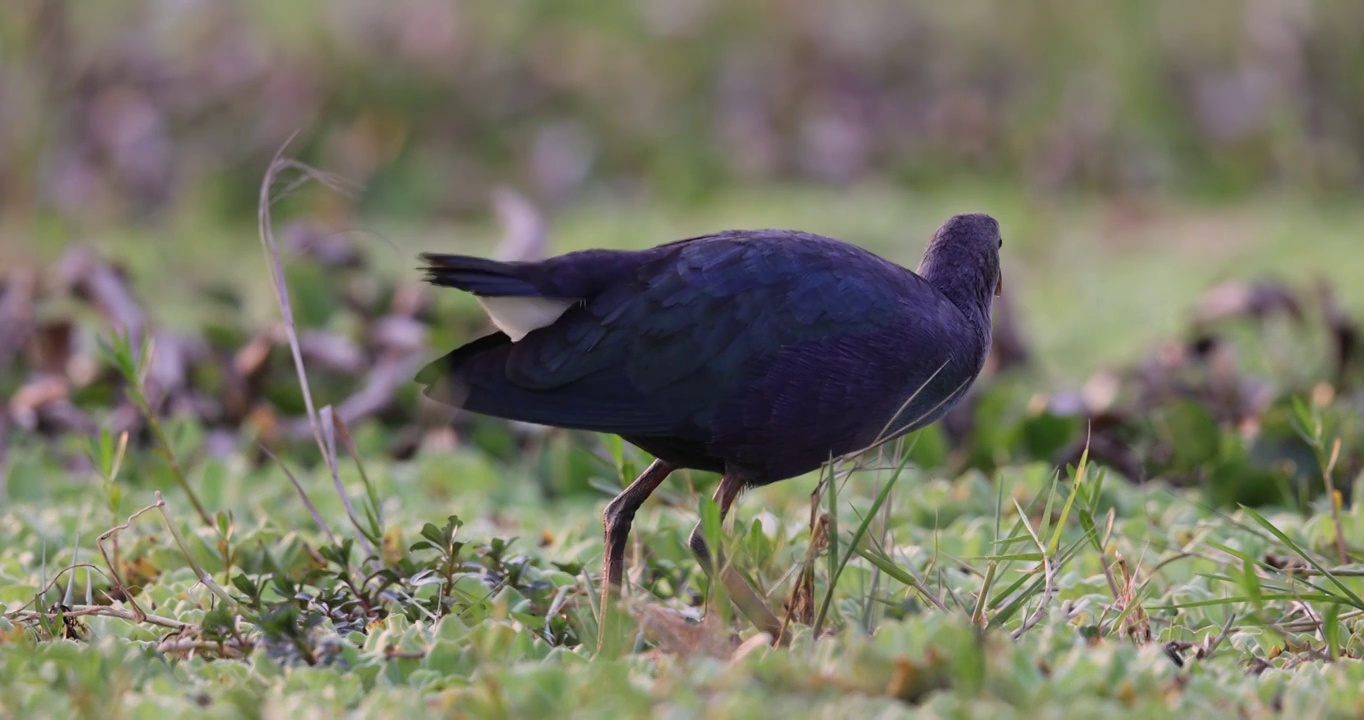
105 611
23 610
231 649
138 614
323 432
270 247
800 606
204 578
307 503
1328 473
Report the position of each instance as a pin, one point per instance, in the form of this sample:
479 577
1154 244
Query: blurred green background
1135 151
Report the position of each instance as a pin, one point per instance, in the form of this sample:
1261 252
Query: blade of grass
978 614
1245 599
1283 537
1006 613
837 570
899 574
1070 499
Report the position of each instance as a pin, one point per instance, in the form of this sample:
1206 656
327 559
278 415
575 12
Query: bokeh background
1136 151
132 110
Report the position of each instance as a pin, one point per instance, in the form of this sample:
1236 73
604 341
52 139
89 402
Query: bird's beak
999 289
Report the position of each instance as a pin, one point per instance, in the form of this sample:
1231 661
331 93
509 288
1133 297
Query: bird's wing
660 348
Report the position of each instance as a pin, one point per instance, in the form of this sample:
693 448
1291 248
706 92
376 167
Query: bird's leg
749 602
621 513
617 519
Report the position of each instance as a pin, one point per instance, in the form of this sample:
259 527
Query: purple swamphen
758 354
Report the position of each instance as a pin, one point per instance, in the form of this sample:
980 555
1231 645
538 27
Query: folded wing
655 342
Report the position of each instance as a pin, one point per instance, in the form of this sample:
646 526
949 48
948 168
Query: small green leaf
433 533
1330 627
245 584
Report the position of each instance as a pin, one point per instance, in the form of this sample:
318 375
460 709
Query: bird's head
962 259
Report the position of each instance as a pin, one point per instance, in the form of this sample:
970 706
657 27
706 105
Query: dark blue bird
758 354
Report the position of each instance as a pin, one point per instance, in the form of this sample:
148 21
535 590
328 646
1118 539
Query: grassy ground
1024 593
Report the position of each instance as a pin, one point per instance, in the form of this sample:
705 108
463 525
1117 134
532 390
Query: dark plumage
758 354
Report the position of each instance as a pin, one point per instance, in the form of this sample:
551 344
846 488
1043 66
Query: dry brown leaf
676 634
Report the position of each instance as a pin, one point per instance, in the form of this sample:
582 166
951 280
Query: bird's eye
1001 242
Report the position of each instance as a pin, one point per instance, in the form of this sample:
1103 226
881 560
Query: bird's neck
964 283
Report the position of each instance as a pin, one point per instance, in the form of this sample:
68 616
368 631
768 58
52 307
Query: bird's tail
480 276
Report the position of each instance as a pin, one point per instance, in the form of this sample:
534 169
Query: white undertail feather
517 316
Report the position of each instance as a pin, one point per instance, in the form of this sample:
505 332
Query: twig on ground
119 584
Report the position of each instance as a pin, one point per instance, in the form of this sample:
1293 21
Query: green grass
1027 592
1187 585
